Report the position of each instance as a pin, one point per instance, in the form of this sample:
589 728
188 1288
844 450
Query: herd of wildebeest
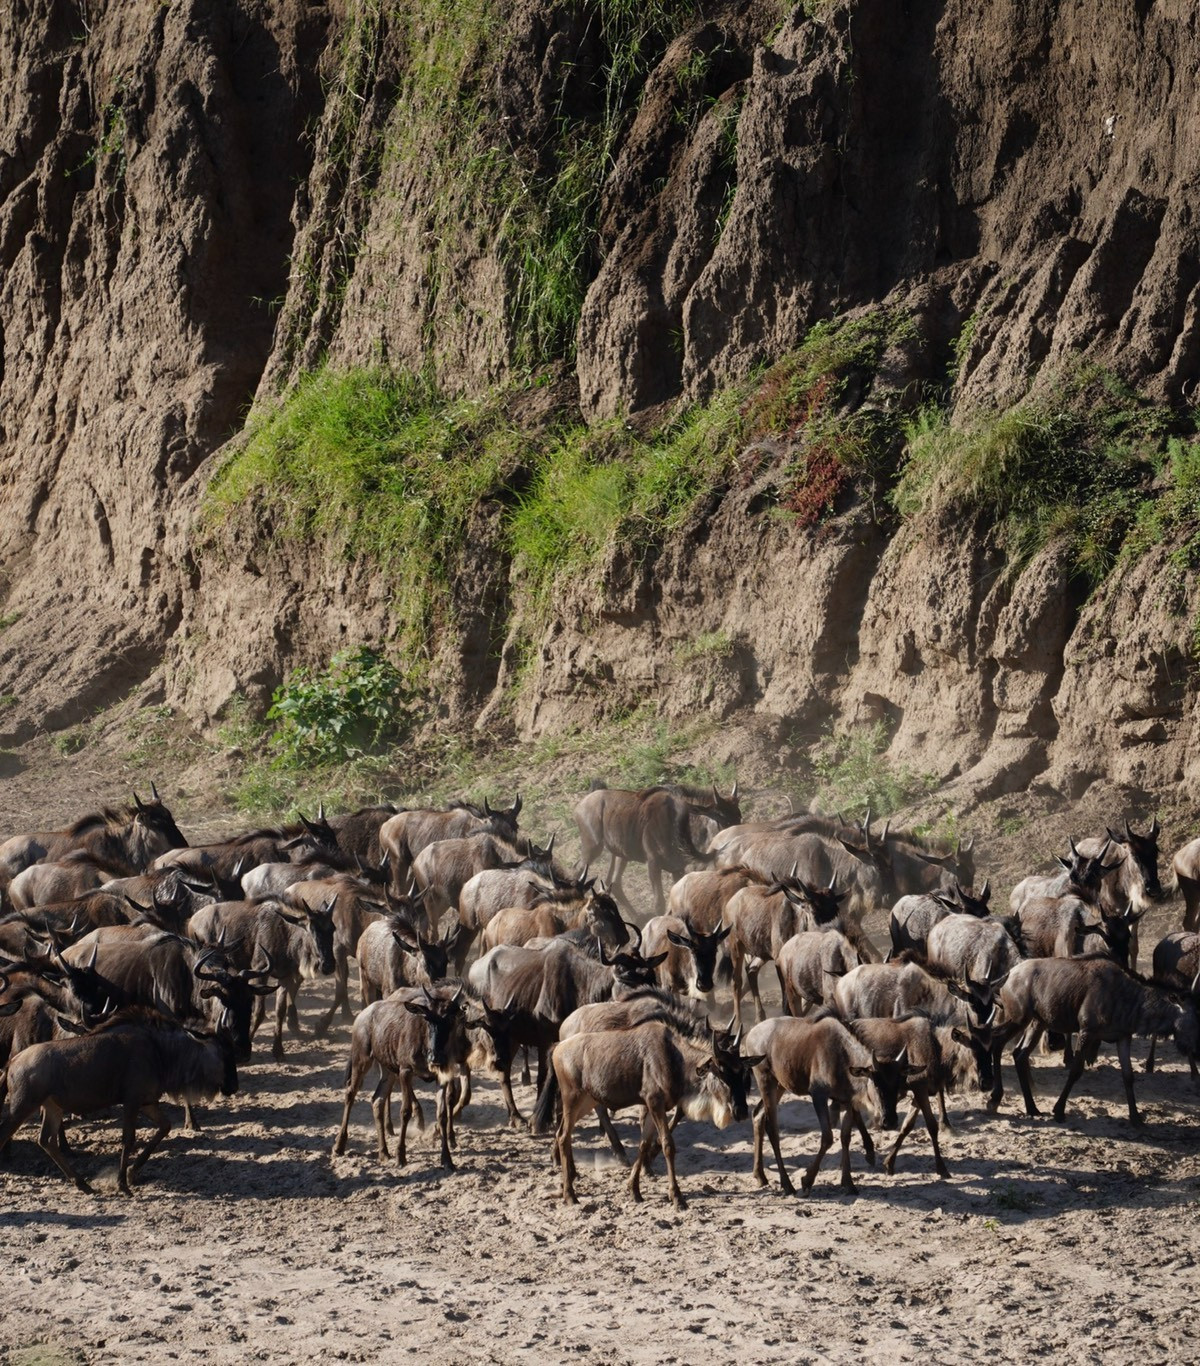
135 967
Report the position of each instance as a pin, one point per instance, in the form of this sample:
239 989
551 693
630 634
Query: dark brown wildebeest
132 1060
543 986
820 1059
928 1059
1065 927
654 1066
418 1033
810 964
1101 1003
296 941
404 835
129 840
1176 968
652 826
914 916
691 961
358 833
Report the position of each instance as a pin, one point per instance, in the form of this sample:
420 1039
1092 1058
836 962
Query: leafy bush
354 707
1077 460
380 464
856 776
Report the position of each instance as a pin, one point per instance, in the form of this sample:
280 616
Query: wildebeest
128 840
442 869
1101 1003
656 1067
914 916
971 948
297 942
820 1059
700 898
595 912
404 835
544 985
929 1059
132 1060
810 964
418 1033
691 955
1186 866
651 825
1063 927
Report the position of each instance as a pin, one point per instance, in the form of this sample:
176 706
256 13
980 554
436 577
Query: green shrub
355 707
856 776
376 463
1076 460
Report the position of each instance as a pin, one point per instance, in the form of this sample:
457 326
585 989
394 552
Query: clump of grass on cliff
378 464
1076 460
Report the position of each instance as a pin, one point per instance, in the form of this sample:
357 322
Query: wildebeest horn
1154 829
1195 983
137 801
986 890
733 794
154 791
516 806
600 949
637 948
1071 845
887 825
791 877
458 994
487 809
550 846
428 996
832 880
321 812
264 973
200 970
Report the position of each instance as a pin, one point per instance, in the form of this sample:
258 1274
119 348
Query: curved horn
887 825
200 967
1195 983
154 791
1154 829
487 808
733 794
137 801
791 877
986 890
550 846
264 973
637 948
600 949
321 812
1071 845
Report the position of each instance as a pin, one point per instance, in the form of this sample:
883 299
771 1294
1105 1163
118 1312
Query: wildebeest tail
724 972
547 1102
683 834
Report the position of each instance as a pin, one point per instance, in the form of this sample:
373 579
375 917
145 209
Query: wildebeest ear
756 1061
861 1071
960 1036
704 1068
71 1026
1116 839
1066 863
207 993
858 851
656 960
722 932
10 1007
291 919
947 901
416 1008
680 940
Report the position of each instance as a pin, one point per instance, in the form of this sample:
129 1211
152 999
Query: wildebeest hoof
849 1188
943 1171
869 1154
890 1166
679 1202
1059 1115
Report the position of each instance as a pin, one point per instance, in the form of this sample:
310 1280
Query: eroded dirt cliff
199 202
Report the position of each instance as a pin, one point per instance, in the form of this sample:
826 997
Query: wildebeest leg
260 1010
1021 1058
847 1129
380 1105
526 1078
867 1141
945 1118
445 1108
910 1120
464 1092
643 1155
821 1106
281 1009
48 1142
654 871
514 1115
666 1140
753 968
614 1139
1123 1046
1150 1055
767 1117
736 983
128 1143
541 1067
341 995
157 1115
354 1078
1076 1071
189 1118
575 1105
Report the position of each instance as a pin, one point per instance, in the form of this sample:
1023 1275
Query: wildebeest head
961 902
727 1070
1086 873
822 902
234 992
603 916
504 821
222 1052
319 939
433 953
981 1016
703 948
726 811
1143 849
446 1022
1117 932
630 969
153 830
497 1027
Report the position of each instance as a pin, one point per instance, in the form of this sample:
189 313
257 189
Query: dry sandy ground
248 1242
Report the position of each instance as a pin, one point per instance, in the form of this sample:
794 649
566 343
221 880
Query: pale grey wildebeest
652 826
